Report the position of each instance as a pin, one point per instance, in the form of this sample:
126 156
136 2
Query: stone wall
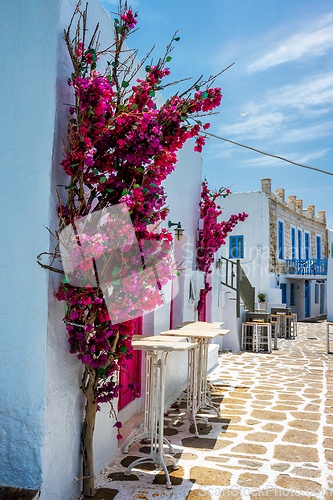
292 214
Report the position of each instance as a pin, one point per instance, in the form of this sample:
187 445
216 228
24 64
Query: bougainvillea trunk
87 436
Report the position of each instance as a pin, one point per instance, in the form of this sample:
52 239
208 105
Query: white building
42 406
282 248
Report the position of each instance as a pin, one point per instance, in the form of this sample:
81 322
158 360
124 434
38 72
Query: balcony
309 267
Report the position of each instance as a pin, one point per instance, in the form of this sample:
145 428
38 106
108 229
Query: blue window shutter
293 243
299 242
318 247
283 287
232 247
292 297
240 247
280 236
307 249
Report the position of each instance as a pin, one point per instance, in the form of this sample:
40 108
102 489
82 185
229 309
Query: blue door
307 299
283 287
322 298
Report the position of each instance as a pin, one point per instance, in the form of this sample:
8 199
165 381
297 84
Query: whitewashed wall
42 407
255 230
29 39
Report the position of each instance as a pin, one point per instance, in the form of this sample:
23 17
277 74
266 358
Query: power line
267 154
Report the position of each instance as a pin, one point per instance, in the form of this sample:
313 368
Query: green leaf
136 186
145 190
110 190
124 192
69 187
116 282
66 289
109 78
139 169
197 87
95 171
168 59
116 20
134 106
177 39
205 95
147 68
118 29
177 274
64 279
115 271
124 84
152 94
103 179
153 184
123 348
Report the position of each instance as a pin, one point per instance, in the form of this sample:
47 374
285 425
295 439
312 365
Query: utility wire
267 154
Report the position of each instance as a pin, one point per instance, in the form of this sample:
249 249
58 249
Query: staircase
234 277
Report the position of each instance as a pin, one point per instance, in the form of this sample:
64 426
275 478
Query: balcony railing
307 267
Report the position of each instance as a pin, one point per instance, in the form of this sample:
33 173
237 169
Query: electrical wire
267 154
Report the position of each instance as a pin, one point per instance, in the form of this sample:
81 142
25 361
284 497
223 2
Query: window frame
239 238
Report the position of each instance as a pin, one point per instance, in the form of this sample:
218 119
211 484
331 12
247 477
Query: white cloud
287 113
315 40
256 126
260 161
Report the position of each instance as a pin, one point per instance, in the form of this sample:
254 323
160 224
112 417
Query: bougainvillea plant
120 147
213 234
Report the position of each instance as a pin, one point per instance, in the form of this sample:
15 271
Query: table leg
156 454
192 391
145 431
204 400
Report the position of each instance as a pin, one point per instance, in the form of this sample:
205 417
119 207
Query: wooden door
132 373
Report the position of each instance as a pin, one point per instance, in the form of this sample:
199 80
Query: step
9 493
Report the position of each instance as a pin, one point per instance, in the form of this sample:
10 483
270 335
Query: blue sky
278 97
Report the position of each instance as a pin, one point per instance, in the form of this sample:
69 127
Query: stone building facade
293 215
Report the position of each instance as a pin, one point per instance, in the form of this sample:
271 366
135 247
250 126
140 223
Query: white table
157 350
197 389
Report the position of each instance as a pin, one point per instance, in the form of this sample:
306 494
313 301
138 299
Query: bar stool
249 335
275 332
264 337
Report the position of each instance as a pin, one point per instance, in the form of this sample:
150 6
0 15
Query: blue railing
307 267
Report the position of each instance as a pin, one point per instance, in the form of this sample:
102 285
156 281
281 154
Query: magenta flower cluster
121 147
214 233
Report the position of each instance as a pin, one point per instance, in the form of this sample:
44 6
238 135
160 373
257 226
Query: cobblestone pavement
274 438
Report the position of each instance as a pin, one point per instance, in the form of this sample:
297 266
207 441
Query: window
283 287
318 247
307 245
236 247
280 240
293 243
292 296
316 293
299 243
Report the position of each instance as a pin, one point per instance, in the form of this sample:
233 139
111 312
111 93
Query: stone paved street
276 432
